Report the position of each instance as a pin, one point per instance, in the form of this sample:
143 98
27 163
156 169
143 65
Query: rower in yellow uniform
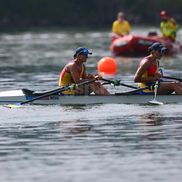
147 73
74 72
120 27
168 26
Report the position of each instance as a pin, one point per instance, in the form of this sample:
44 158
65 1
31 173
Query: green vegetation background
82 13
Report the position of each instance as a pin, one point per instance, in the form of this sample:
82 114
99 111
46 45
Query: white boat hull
17 96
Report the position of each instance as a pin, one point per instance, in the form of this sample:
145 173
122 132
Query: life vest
169 29
152 70
66 79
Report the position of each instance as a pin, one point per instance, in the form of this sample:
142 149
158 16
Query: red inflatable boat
132 45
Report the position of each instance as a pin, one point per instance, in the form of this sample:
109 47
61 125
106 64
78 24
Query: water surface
111 142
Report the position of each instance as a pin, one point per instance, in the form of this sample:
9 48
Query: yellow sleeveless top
66 79
149 73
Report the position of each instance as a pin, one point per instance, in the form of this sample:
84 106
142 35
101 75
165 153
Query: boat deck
18 96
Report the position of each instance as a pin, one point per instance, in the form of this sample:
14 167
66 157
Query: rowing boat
135 45
17 96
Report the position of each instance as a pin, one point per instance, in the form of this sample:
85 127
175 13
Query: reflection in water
153 118
93 141
74 128
77 108
152 126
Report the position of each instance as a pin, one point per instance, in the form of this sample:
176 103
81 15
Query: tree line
75 13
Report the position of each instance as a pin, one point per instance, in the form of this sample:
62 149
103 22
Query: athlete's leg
168 88
98 88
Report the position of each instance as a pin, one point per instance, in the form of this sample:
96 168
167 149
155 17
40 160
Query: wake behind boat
18 96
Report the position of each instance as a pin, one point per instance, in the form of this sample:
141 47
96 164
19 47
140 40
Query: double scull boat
18 96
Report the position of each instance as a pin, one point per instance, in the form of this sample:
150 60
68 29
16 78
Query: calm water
82 143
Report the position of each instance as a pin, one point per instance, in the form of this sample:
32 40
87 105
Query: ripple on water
82 143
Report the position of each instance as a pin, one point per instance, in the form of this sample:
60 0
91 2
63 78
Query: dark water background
82 143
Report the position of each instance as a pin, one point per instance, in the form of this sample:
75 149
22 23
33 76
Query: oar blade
155 102
11 106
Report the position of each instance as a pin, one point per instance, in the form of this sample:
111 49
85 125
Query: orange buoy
107 66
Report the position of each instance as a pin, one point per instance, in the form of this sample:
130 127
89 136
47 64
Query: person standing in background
120 27
168 26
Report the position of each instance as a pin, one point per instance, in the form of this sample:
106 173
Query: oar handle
118 83
172 78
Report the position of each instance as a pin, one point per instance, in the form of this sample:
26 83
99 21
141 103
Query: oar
154 101
118 83
172 78
132 91
58 90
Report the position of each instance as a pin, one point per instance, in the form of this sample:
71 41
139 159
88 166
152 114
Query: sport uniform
66 79
152 70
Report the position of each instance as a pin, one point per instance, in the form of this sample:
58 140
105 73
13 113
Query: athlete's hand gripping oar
58 90
118 83
154 101
172 78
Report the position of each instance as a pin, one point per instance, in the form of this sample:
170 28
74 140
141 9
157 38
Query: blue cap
82 50
158 47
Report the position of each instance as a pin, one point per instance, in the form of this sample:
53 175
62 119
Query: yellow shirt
121 28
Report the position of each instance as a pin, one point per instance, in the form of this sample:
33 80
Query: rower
147 73
74 72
